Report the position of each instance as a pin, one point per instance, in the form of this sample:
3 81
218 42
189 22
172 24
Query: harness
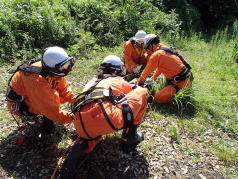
99 95
185 73
19 107
139 53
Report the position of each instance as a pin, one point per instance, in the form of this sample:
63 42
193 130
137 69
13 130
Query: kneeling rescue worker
108 103
134 53
165 60
39 87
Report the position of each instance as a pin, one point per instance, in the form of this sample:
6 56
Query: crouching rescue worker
108 104
39 87
165 60
134 53
155 44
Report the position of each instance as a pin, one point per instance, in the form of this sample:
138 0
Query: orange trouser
165 95
95 124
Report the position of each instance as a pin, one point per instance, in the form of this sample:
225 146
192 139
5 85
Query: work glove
149 84
133 83
141 84
136 71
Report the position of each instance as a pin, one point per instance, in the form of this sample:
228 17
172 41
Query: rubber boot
131 138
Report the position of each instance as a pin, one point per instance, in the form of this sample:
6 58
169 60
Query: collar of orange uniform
53 81
139 51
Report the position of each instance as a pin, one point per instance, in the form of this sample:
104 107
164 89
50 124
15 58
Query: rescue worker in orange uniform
134 53
156 44
166 61
40 87
108 103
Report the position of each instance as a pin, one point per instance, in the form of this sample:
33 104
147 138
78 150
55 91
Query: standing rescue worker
108 103
39 87
134 53
165 60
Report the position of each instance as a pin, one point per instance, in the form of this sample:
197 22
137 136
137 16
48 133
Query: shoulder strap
94 94
174 51
100 77
26 66
169 49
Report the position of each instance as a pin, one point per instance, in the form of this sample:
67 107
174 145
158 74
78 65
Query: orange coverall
94 120
133 56
154 48
41 97
169 65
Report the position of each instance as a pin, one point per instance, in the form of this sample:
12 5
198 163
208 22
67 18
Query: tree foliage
200 14
215 14
27 25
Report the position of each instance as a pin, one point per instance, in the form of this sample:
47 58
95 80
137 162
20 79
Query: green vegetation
199 122
27 27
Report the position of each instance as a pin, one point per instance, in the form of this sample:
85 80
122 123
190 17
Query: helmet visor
61 69
65 67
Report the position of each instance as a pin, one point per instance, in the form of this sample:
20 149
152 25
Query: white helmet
151 39
57 62
111 64
140 37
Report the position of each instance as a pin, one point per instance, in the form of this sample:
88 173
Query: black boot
73 159
47 126
131 138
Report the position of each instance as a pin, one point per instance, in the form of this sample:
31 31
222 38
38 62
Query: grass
202 120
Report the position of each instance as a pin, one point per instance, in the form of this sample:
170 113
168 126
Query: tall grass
215 89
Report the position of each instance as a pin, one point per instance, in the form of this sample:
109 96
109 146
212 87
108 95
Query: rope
61 160
15 120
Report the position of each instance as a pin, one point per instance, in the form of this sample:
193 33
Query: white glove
136 71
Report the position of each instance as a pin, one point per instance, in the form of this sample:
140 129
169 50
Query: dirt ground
158 156
37 158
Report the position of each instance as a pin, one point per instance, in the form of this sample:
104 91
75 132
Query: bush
34 24
125 19
186 13
37 24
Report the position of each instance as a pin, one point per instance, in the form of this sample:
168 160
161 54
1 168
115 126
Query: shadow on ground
38 158
110 162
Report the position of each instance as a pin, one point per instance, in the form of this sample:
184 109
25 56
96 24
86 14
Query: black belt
183 75
19 102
